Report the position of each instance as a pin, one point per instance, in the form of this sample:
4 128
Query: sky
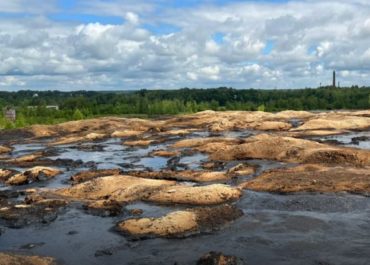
169 44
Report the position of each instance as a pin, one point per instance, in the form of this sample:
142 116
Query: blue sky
131 44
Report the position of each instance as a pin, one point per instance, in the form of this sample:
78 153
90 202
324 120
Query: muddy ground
208 188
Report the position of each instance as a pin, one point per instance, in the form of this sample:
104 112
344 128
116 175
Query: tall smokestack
334 79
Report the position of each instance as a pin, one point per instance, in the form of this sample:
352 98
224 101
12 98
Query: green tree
21 121
261 107
77 115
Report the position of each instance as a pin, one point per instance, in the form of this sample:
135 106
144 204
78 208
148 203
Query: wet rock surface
300 178
92 174
180 223
23 214
217 258
32 175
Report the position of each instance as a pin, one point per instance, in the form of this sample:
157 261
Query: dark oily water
276 229
292 229
354 139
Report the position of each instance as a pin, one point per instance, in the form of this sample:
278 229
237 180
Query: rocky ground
175 179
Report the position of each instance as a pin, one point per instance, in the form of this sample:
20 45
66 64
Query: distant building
35 95
10 114
55 107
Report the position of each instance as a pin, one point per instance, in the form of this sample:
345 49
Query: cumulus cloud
263 45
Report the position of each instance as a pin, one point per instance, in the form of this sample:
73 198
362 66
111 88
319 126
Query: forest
32 106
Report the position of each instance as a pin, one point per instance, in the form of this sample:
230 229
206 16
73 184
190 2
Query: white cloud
309 39
132 18
11 81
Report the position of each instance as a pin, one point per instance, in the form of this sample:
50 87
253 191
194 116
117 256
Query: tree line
31 106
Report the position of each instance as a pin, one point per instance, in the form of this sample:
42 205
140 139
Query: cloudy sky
133 44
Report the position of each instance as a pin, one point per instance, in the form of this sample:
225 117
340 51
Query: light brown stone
33 174
120 188
200 195
312 178
14 259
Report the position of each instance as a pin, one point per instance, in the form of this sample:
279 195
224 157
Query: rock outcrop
182 175
199 195
287 149
120 188
180 223
4 149
92 174
14 259
218 258
313 178
32 175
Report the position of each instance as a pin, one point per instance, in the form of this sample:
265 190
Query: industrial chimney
334 79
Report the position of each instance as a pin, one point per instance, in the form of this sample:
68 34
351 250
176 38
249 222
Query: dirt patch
200 195
91 174
313 178
13 259
180 223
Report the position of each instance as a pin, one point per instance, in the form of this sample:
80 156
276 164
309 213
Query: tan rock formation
288 149
4 149
13 259
91 174
120 188
126 133
33 174
165 153
138 143
200 195
180 223
313 178
335 122
195 142
183 175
